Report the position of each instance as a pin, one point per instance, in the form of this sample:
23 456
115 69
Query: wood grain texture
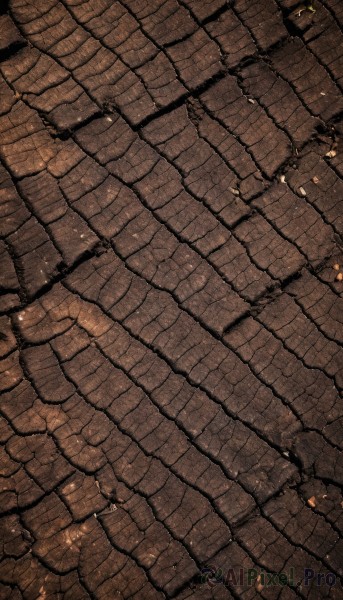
171 299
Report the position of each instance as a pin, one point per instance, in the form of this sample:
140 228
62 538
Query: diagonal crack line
11 50
172 230
294 31
183 373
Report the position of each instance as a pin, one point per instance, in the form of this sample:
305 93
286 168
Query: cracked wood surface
171 298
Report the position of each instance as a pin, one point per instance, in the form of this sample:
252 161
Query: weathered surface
170 308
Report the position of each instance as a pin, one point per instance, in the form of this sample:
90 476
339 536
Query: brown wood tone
171 287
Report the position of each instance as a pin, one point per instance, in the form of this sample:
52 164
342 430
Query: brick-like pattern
170 307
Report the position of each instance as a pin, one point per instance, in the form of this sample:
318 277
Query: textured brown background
171 211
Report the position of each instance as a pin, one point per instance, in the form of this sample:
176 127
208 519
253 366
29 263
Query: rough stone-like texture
171 299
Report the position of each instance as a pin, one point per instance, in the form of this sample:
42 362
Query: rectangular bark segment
295 63
264 21
268 145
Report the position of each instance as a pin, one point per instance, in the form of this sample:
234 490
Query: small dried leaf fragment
298 11
258 584
234 191
331 154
